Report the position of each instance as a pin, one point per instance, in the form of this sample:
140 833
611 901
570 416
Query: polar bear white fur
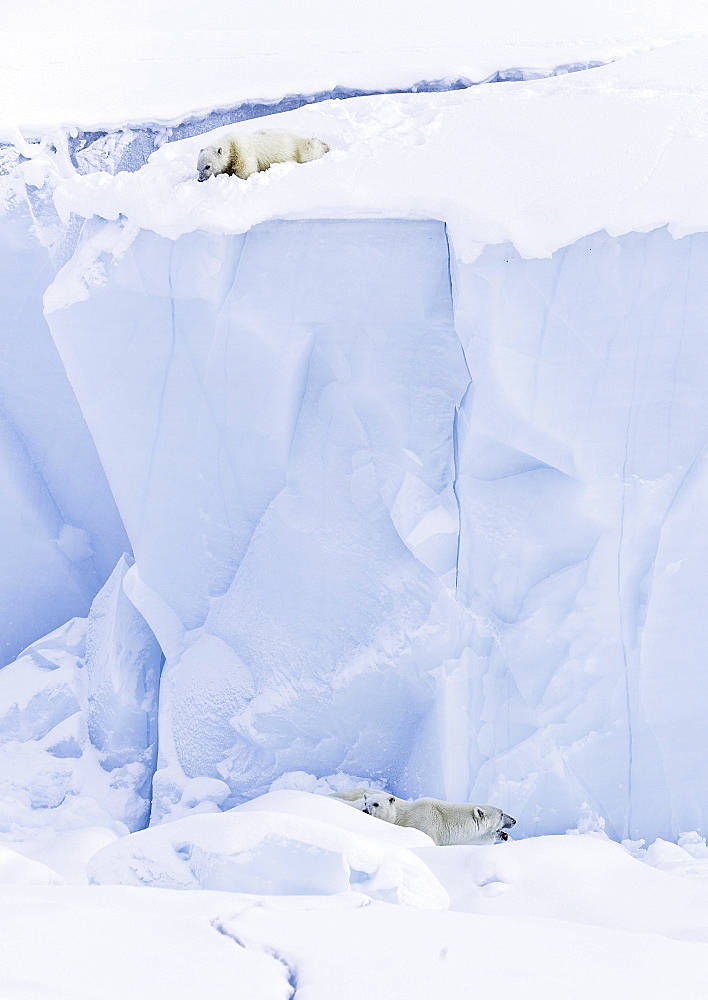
357 796
445 822
245 153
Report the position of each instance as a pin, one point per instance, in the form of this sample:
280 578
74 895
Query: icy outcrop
78 722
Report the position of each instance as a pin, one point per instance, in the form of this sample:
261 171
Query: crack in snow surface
265 949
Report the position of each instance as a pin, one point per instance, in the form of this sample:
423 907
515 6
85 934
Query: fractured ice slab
78 722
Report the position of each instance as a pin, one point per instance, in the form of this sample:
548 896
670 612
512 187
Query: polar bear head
213 160
382 805
492 821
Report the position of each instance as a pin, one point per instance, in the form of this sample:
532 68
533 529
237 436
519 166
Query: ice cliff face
401 504
279 439
581 476
444 533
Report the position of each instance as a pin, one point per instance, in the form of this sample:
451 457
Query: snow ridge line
289 102
265 949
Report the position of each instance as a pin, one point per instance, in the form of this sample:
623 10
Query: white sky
81 63
551 20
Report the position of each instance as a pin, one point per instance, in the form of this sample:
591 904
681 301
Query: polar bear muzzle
507 823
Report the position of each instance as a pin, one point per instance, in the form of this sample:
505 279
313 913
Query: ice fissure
227 929
128 147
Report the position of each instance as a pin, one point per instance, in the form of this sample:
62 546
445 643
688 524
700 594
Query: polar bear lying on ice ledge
245 153
447 823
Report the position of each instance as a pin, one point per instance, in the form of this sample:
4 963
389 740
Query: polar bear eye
218 152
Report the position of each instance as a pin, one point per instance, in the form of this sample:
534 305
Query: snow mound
18 870
586 879
275 848
66 852
688 857
337 813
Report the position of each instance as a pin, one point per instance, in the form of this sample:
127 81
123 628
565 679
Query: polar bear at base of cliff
446 823
357 796
245 153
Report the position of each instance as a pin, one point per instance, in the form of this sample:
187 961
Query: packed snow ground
566 916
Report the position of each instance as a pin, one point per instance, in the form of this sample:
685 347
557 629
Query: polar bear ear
478 814
392 799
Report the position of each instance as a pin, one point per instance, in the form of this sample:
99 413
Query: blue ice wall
275 413
583 544
60 531
442 529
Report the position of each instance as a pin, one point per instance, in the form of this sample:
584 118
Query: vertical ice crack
620 603
456 462
456 418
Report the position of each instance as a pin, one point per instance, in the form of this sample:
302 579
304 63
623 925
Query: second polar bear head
380 804
213 160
